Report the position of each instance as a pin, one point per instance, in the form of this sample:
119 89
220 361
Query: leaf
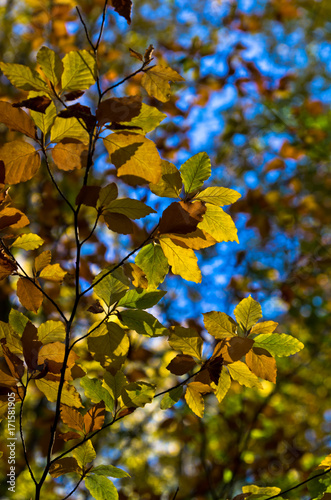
95 417
186 340
135 275
38 103
141 299
17 119
153 262
138 394
147 120
233 348
134 155
181 364
111 287
107 194
264 327
218 224
28 241
12 337
183 261
70 155
50 388
260 493
242 374
195 171
111 346
136 55
224 384
50 64
72 418
181 217
7 266
11 217
143 322
100 487
23 77
118 223
53 272
29 295
84 453
134 209
68 128
21 161
79 70
194 398
17 321
114 383
88 195
260 362
64 466
123 8
170 183
51 331
156 81
42 260
118 109
171 398
196 240
219 324
278 344
219 196
43 121
247 313
93 389
110 471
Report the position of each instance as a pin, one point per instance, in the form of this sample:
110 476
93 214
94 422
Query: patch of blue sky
213 64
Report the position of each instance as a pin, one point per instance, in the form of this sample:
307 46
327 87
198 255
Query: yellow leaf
53 272
85 453
64 466
156 81
28 241
219 196
79 70
134 155
21 161
264 327
248 312
70 155
194 398
196 240
219 324
326 462
51 331
242 374
224 384
42 260
183 261
12 217
69 397
44 121
68 128
29 295
186 340
170 183
218 224
17 119
262 364
112 345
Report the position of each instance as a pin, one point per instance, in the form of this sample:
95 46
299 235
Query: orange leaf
70 155
181 217
95 417
29 295
262 364
21 161
17 119
72 418
118 109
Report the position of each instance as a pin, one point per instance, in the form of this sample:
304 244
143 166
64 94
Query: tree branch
142 68
326 471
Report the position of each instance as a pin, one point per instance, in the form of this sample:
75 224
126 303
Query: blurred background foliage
257 100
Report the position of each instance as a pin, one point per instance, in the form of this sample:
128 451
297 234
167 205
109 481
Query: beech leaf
70 155
195 171
29 295
183 261
156 81
79 70
17 119
153 262
248 312
28 241
21 161
278 344
218 224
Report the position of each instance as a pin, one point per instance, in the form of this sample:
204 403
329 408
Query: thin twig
92 230
102 25
181 383
22 434
75 488
326 471
174 497
142 68
85 29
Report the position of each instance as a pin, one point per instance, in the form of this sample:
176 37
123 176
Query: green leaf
141 299
85 453
134 209
143 322
51 64
101 488
259 493
51 331
218 224
43 121
112 287
219 324
195 171
148 119
171 398
247 313
110 471
219 196
242 374
186 340
79 70
170 184
154 263
94 390
69 128
23 77
138 394
28 241
111 347
183 261
224 384
17 321
114 383
278 344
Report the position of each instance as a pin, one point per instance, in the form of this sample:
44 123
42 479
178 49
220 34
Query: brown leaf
17 119
72 418
123 8
31 346
148 54
7 266
181 364
67 436
72 96
232 349
29 295
136 55
70 155
81 112
14 363
95 417
39 103
53 354
214 368
96 308
118 223
181 217
42 260
63 466
118 109
2 173
262 364
88 195
12 217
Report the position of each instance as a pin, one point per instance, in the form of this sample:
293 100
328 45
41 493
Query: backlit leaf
43 121
21 161
134 155
118 109
69 397
72 418
110 471
219 196
51 64
18 321
23 77
123 8
114 383
112 287
153 262
100 487
51 331
64 466
28 241
141 299
260 362
29 295
79 70
170 183
224 384
181 364
196 240
70 155
183 261
278 344
171 398
195 171
42 260
147 120
12 217
138 394
248 312
95 417
17 119
107 194
259 493
134 209
68 128
143 322
219 324
242 374
218 224
85 453
264 327
53 272
186 340
156 81
194 399
111 346
93 389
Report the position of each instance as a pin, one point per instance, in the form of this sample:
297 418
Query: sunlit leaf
28 241
23 77
110 347
183 261
194 399
219 196
110 471
156 81
64 466
43 121
29 295
53 272
70 155
134 209
93 389
79 70
147 120
141 299
264 327
260 362
195 171
171 398
138 394
170 183
248 312
21 161
278 344
153 262
51 331
224 384
72 418
68 128
95 417
218 224
51 64
111 287
42 260
114 383
101 487
143 322
242 374
84 454
50 388
186 340
219 324
16 119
